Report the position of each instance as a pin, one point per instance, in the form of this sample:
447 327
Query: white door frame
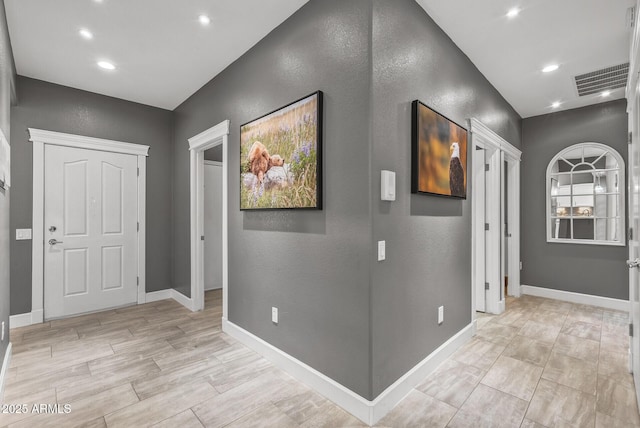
498 150
40 138
212 137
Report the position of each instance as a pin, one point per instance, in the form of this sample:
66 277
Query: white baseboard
170 293
369 412
579 298
182 299
29 318
4 370
154 296
37 317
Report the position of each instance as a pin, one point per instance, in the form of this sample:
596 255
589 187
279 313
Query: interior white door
90 230
212 226
634 239
479 189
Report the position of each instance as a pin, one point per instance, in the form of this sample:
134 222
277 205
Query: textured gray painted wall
58 108
313 265
428 238
589 269
7 80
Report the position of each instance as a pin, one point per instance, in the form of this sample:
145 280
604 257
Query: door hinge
630 234
486 285
486 226
138 226
630 138
486 167
138 172
202 238
631 330
137 280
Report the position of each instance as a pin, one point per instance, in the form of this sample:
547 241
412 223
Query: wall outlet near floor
274 315
440 315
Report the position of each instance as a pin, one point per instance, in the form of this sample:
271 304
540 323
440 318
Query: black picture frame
432 136
299 156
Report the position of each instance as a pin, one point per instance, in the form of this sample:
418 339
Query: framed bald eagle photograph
438 154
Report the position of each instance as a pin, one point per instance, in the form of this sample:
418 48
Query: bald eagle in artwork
456 172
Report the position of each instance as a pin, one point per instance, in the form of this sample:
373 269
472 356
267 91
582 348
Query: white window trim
621 186
40 138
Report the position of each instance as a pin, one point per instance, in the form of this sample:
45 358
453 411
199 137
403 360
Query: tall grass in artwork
440 148
286 146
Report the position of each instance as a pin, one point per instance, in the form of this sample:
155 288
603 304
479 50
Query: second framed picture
438 154
281 158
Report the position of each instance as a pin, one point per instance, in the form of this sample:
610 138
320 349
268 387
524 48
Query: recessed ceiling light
555 104
513 12
106 65
204 20
550 68
605 93
86 34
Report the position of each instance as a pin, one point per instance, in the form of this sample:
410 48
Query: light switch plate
23 234
440 314
382 251
274 315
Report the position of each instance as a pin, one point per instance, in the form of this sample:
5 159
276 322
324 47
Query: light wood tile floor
543 363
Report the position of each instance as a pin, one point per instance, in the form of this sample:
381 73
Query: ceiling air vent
606 79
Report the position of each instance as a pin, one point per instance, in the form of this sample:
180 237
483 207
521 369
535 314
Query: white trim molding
212 137
578 298
40 138
369 412
5 369
91 143
499 143
155 296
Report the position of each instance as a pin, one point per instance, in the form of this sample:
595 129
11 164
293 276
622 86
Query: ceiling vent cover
601 80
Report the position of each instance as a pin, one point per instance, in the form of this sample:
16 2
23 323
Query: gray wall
7 82
589 269
58 108
428 238
313 265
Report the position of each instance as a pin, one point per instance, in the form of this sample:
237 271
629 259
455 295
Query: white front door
212 226
479 189
90 230
634 238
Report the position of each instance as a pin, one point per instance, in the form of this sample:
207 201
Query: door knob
633 263
55 241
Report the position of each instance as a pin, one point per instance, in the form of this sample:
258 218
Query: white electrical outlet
274 315
382 251
2 335
440 314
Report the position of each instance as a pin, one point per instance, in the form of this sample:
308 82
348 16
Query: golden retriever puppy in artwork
260 161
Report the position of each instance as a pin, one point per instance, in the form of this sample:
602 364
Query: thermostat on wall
388 185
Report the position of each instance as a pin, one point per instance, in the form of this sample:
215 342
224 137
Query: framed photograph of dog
281 158
438 154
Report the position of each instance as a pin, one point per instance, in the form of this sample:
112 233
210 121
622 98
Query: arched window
585 196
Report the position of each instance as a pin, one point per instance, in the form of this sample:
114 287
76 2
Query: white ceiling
579 35
162 53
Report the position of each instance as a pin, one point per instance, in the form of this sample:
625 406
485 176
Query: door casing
40 138
496 151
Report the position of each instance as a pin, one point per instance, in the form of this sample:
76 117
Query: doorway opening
216 136
495 220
